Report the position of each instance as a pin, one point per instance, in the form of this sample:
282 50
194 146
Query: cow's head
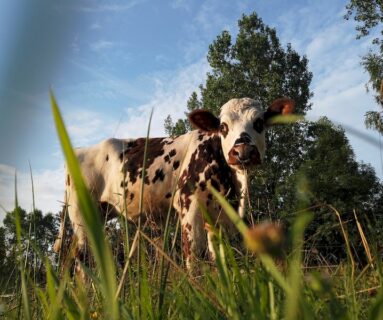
241 126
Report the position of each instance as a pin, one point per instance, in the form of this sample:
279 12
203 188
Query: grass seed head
265 238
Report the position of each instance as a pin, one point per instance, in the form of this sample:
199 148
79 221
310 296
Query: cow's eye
223 129
258 125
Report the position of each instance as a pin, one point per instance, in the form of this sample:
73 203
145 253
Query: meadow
266 275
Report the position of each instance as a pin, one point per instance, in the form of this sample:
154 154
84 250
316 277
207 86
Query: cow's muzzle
244 154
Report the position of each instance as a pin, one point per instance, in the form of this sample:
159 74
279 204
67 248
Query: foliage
182 125
332 176
369 16
37 230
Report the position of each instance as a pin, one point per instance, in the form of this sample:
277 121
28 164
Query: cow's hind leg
79 234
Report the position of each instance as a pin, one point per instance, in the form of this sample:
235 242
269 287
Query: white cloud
172 90
103 85
100 45
180 4
48 189
86 127
211 18
170 97
75 46
329 39
106 6
95 26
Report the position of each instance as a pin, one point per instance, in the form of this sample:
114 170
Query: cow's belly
153 208
155 203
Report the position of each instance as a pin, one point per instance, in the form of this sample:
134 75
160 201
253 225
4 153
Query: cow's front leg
193 237
211 238
80 249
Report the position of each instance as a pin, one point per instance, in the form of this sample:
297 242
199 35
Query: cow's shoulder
206 159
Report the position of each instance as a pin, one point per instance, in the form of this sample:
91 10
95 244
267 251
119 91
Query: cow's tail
60 237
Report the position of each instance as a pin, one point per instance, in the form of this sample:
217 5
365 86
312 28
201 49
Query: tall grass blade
294 298
24 290
364 240
91 218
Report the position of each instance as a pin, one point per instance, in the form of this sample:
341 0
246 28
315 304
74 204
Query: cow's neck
240 183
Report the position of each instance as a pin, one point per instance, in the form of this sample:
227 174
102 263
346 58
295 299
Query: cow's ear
280 106
204 120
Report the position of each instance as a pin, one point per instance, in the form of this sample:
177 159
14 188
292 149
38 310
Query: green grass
244 283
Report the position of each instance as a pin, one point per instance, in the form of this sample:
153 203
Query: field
266 275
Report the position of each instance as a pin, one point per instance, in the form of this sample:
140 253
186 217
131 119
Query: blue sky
111 62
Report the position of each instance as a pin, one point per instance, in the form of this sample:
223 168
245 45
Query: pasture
266 275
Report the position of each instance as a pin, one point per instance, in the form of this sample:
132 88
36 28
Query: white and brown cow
217 154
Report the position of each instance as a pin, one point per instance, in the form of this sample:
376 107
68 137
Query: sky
110 63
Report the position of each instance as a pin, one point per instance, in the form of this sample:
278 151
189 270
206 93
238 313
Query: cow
180 172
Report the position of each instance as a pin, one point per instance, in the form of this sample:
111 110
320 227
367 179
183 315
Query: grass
249 283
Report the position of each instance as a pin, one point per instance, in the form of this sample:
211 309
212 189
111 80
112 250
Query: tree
333 177
182 125
369 16
36 228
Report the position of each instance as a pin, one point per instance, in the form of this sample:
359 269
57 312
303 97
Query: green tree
369 16
182 125
36 228
10 226
332 176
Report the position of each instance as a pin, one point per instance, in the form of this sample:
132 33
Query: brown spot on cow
215 184
202 185
159 175
128 146
172 153
168 195
107 157
134 156
186 244
176 164
68 180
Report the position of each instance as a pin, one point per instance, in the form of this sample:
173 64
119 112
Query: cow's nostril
236 153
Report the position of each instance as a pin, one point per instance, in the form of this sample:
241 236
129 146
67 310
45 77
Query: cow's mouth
244 156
